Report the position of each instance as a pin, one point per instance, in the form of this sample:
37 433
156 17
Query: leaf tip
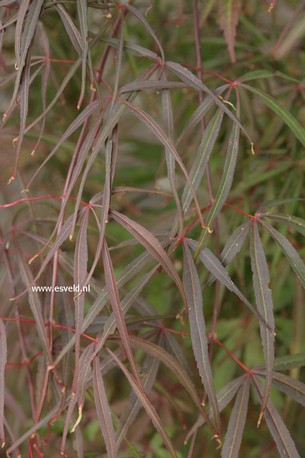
260 418
32 259
271 6
12 178
80 414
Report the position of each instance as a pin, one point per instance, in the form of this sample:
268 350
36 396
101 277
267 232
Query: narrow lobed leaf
212 263
113 293
198 331
237 422
291 221
153 246
149 408
202 157
157 352
224 397
263 296
226 179
287 117
228 15
149 372
3 359
290 252
284 442
103 410
288 385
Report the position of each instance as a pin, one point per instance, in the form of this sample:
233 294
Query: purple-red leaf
293 256
157 352
103 410
228 12
237 422
198 331
3 358
263 296
277 427
149 408
153 246
288 385
80 273
113 292
149 372
212 263
224 397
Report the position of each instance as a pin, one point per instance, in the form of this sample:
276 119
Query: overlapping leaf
224 397
202 157
149 373
226 179
114 299
284 442
151 412
154 247
212 263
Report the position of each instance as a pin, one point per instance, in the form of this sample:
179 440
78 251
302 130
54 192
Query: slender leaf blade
212 263
157 352
153 246
277 427
227 176
103 410
224 397
290 252
287 117
228 15
237 422
113 293
80 273
149 373
198 330
235 243
261 280
202 157
285 363
3 360
291 221
288 385
149 408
